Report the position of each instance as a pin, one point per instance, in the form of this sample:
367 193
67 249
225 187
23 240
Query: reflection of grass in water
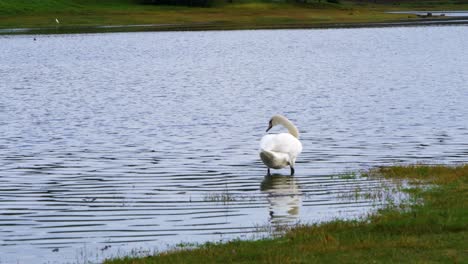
434 231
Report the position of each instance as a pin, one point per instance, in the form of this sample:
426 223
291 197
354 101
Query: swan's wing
268 142
283 142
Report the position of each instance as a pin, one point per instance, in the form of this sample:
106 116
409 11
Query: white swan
280 150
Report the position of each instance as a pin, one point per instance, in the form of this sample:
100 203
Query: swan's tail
274 160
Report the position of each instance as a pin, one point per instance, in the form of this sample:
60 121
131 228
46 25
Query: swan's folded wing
268 142
284 142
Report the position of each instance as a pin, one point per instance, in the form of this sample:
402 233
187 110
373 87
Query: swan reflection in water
284 197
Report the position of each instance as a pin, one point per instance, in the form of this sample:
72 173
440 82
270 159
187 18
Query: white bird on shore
280 150
56 20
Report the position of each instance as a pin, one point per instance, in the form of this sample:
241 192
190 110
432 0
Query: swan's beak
269 127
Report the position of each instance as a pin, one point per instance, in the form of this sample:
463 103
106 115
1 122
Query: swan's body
280 150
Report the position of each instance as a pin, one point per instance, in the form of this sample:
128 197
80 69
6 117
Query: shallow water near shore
460 13
451 19
134 142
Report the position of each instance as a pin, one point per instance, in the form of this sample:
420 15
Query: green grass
432 231
238 15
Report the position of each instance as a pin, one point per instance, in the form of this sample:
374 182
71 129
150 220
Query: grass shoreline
84 16
216 27
432 231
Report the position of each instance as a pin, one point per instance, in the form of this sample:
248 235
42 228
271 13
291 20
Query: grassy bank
434 230
239 14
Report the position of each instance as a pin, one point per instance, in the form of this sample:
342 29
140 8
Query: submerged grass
223 197
433 231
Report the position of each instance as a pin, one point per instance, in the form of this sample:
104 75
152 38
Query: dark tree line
207 3
199 3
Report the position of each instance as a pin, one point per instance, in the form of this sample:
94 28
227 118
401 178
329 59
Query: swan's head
281 120
275 120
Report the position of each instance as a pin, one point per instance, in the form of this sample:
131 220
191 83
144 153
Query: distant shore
76 16
215 26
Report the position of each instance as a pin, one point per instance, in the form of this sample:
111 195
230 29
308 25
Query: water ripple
113 142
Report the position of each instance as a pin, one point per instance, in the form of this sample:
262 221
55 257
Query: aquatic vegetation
434 230
348 176
385 192
223 197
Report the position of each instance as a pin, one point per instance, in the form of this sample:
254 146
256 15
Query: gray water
133 142
434 13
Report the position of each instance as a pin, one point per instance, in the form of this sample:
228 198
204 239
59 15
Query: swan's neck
292 129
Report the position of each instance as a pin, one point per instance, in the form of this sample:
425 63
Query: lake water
434 13
122 143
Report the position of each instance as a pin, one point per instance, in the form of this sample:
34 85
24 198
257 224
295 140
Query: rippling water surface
137 141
